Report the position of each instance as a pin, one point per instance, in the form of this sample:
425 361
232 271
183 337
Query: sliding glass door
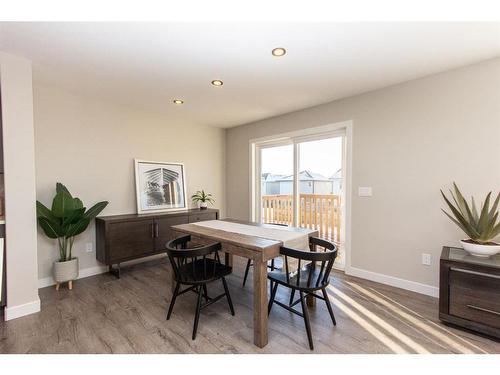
301 183
320 188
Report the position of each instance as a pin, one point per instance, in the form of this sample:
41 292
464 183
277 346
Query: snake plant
66 219
480 225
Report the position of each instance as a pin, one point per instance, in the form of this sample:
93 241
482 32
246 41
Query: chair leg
249 263
292 294
172 302
273 296
272 264
228 296
305 312
205 292
197 314
329 306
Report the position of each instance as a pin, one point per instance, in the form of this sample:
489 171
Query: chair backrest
321 258
196 264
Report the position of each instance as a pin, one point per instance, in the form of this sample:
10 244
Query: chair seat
280 278
196 275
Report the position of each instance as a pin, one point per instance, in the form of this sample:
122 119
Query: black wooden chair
274 264
308 278
196 267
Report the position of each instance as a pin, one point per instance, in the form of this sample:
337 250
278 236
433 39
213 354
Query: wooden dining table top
239 239
254 247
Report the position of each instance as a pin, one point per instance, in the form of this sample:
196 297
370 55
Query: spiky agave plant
481 226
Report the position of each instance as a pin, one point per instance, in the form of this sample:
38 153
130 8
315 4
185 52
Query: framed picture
159 186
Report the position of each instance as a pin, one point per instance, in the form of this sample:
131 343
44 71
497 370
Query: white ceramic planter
480 250
66 271
203 205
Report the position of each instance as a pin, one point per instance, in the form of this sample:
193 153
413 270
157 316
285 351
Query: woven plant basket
66 271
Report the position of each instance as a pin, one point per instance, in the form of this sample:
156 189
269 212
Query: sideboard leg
115 271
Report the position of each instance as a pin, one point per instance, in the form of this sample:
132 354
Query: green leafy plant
481 226
66 219
202 197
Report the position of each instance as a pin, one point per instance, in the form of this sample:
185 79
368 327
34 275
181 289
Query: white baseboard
394 281
13 312
97 270
86 272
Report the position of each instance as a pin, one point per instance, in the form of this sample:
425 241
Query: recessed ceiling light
278 52
178 101
217 82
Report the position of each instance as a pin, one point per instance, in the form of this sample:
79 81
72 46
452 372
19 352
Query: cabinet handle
152 231
483 309
157 230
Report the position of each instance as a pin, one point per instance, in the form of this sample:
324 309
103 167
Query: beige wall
409 141
90 147
19 166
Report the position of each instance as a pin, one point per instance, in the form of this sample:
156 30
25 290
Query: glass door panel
320 189
276 184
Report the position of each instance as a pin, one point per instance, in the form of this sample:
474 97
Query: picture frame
160 186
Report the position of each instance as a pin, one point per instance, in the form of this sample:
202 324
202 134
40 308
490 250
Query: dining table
250 240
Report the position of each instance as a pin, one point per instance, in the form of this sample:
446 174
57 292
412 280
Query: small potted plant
480 225
202 199
66 219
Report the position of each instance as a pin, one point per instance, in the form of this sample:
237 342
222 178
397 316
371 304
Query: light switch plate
365 191
88 247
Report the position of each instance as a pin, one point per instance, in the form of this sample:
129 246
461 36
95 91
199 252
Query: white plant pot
480 250
66 271
203 205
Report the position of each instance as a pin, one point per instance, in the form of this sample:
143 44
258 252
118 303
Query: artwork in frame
160 186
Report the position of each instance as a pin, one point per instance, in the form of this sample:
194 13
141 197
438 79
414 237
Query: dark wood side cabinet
121 238
469 291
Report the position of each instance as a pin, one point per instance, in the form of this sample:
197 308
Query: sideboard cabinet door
163 232
130 239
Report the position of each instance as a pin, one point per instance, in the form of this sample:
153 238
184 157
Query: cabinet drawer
202 217
475 297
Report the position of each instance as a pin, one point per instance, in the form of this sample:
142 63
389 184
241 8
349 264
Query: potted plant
480 226
203 199
66 219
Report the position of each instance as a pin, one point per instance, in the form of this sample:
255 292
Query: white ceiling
148 65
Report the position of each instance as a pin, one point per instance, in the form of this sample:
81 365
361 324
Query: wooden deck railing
320 212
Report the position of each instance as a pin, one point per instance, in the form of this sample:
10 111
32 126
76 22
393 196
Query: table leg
311 301
260 303
228 259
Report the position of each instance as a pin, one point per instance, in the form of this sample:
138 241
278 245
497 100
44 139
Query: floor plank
105 315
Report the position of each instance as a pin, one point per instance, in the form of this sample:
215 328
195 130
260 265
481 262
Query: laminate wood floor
105 315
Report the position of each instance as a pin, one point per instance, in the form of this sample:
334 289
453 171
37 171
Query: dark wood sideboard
469 291
120 238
